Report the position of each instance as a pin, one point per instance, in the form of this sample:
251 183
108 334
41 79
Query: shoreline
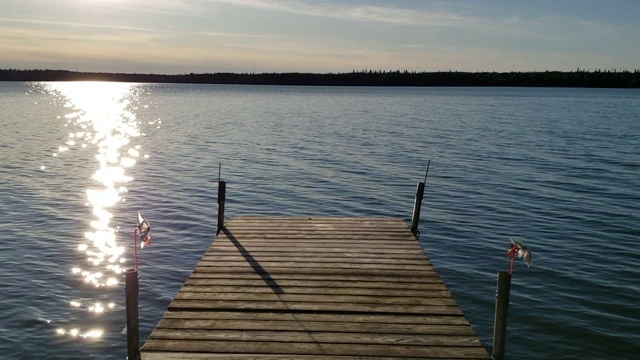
574 79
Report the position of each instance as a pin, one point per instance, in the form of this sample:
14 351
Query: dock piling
222 193
416 209
133 326
417 205
503 290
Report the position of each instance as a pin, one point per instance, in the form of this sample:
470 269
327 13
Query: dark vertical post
133 327
500 321
416 209
222 193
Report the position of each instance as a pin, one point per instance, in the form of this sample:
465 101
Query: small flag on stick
517 247
144 228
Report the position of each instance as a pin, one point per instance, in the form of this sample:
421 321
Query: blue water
556 168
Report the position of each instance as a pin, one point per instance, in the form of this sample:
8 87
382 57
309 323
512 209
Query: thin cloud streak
549 26
539 27
133 28
364 13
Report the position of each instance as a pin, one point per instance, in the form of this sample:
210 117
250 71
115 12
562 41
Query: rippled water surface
557 168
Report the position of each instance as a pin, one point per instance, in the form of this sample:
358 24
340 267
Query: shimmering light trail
99 119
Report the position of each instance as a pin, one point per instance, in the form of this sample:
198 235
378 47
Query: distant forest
578 78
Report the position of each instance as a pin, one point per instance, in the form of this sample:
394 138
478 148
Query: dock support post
416 210
500 321
133 326
222 193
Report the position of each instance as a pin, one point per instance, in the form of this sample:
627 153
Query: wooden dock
314 288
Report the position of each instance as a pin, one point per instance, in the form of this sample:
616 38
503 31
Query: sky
321 36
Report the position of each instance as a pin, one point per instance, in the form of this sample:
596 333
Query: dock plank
315 348
317 326
311 286
321 337
314 288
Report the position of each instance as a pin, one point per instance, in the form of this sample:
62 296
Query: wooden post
416 210
222 193
133 327
500 321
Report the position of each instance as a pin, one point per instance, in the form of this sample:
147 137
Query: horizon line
365 71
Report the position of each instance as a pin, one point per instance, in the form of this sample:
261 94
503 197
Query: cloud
364 13
465 17
556 26
131 28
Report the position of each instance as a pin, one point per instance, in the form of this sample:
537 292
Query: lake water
556 168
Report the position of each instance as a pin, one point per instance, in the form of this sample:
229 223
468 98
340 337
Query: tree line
578 78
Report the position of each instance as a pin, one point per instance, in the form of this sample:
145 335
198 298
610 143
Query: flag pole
135 247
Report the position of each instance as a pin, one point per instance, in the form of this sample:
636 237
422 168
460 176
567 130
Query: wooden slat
314 288
314 271
320 337
250 220
315 348
318 257
341 319
291 285
163 355
240 305
313 265
320 244
351 278
316 326
316 298
297 247
323 237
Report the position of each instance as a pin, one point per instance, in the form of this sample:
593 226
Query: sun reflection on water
100 118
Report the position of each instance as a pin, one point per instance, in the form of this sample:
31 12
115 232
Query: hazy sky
181 36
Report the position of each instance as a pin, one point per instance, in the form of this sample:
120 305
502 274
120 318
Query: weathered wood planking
314 288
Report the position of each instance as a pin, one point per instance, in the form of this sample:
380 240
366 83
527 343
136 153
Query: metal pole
416 209
500 321
133 326
222 193
135 247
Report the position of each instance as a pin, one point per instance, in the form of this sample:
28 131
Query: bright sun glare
99 119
